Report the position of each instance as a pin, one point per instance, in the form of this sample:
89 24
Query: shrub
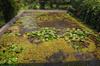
88 11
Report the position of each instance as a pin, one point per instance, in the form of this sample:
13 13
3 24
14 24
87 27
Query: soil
85 56
93 37
59 24
57 57
34 40
57 20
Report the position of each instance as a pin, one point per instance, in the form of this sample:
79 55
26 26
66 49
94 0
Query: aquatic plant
15 48
76 34
6 58
77 37
98 37
8 55
44 34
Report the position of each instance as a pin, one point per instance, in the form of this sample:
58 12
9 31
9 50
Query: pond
47 37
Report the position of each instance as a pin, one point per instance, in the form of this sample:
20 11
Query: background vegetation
86 10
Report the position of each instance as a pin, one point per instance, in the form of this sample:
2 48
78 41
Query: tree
88 11
8 8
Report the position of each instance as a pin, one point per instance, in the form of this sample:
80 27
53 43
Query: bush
8 9
88 11
42 4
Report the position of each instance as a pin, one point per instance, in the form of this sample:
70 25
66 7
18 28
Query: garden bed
40 36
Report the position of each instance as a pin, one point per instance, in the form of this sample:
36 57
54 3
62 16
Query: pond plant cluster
76 36
47 38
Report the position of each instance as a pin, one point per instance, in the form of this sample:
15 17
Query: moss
8 39
39 53
91 47
97 53
71 58
47 49
26 55
49 17
81 24
14 29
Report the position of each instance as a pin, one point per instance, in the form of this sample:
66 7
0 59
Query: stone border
45 10
13 20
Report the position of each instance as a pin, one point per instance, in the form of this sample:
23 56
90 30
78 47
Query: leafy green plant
77 37
13 33
44 34
76 34
8 55
15 48
98 37
88 11
7 58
